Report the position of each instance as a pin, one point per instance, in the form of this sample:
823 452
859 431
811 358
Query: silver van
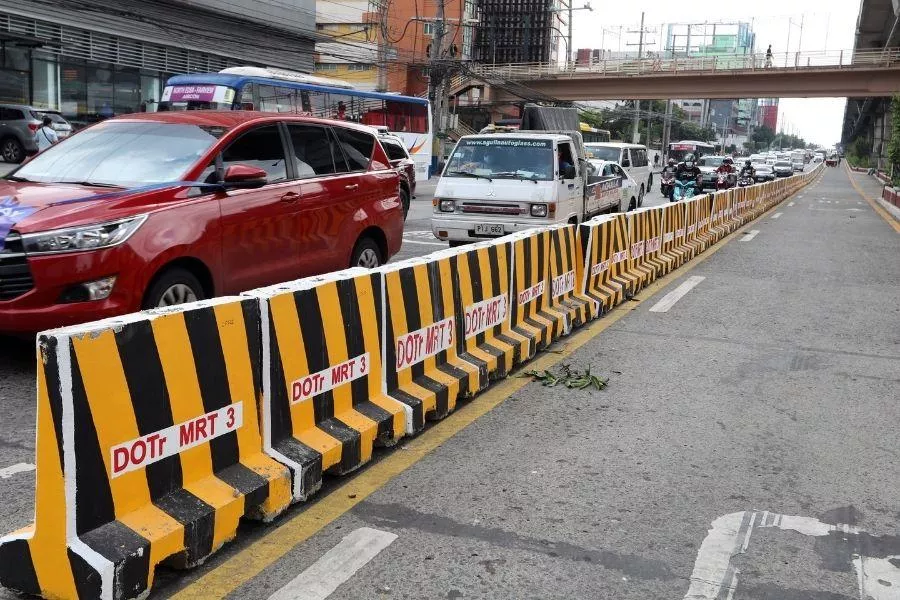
632 157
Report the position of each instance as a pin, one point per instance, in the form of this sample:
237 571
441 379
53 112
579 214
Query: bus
274 90
592 134
678 150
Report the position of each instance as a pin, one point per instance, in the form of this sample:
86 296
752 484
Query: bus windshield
512 158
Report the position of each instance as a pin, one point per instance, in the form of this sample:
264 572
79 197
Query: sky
828 25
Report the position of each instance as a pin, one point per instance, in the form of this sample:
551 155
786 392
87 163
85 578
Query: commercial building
352 54
92 59
519 31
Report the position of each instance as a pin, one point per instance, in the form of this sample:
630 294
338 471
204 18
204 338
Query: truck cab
500 183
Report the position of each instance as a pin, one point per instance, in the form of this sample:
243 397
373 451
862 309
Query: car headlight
538 210
447 205
87 237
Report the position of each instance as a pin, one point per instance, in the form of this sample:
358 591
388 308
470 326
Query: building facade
352 53
91 60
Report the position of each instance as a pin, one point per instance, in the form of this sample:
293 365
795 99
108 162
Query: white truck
498 183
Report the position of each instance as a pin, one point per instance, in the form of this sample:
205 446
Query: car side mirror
570 172
244 177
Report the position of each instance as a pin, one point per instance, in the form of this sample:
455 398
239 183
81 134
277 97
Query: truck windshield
512 158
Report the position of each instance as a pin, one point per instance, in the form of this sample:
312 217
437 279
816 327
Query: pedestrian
656 160
769 56
45 136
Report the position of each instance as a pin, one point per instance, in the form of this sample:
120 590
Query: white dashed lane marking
750 235
8 472
336 566
776 215
675 295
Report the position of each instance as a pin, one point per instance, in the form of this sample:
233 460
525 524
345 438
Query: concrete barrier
148 450
532 315
422 367
673 234
652 222
692 220
323 407
602 279
638 233
485 336
565 265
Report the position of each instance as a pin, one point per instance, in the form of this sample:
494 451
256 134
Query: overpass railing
658 65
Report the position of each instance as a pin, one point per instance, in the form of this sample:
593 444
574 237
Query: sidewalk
871 187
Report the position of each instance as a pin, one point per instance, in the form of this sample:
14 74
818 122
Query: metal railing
658 65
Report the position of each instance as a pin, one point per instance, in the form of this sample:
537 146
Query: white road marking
776 215
878 578
790 203
750 235
405 240
8 472
336 566
730 534
675 295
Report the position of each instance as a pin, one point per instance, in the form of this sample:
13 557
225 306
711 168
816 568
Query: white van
633 158
500 183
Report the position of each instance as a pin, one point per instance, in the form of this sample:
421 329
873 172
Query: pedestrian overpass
844 73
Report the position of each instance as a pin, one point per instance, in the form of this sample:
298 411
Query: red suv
156 209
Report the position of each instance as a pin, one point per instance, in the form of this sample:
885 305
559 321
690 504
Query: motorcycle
683 190
666 182
745 181
724 181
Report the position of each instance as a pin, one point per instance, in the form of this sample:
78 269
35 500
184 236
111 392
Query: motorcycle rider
687 170
727 167
747 170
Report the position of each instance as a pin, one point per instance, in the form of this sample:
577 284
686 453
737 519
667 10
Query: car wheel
633 204
366 254
12 150
172 287
404 200
640 201
650 183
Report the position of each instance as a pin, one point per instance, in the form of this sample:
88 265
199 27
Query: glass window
100 87
123 154
395 151
312 150
73 92
11 114
14 86
45 79
127 98
260 147
601 152
357 147
149 93
16 58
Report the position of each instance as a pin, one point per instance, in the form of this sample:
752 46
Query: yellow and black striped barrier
323 408
692 219
565 263
148 450
532 314
421 364
638 235
605 245
486 338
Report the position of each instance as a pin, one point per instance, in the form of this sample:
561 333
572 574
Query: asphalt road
770 386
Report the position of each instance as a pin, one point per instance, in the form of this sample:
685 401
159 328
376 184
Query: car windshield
710 161
782 163
600 152
514 158
123 153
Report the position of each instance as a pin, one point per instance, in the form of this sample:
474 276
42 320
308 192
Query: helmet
747 162
671 161
728 160
688 158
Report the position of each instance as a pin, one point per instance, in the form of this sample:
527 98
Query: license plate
486 229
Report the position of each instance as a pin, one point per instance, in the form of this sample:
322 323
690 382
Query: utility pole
569 45
667 129
636 123
437 73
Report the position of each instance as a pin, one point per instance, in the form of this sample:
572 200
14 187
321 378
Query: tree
762 137
893 152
